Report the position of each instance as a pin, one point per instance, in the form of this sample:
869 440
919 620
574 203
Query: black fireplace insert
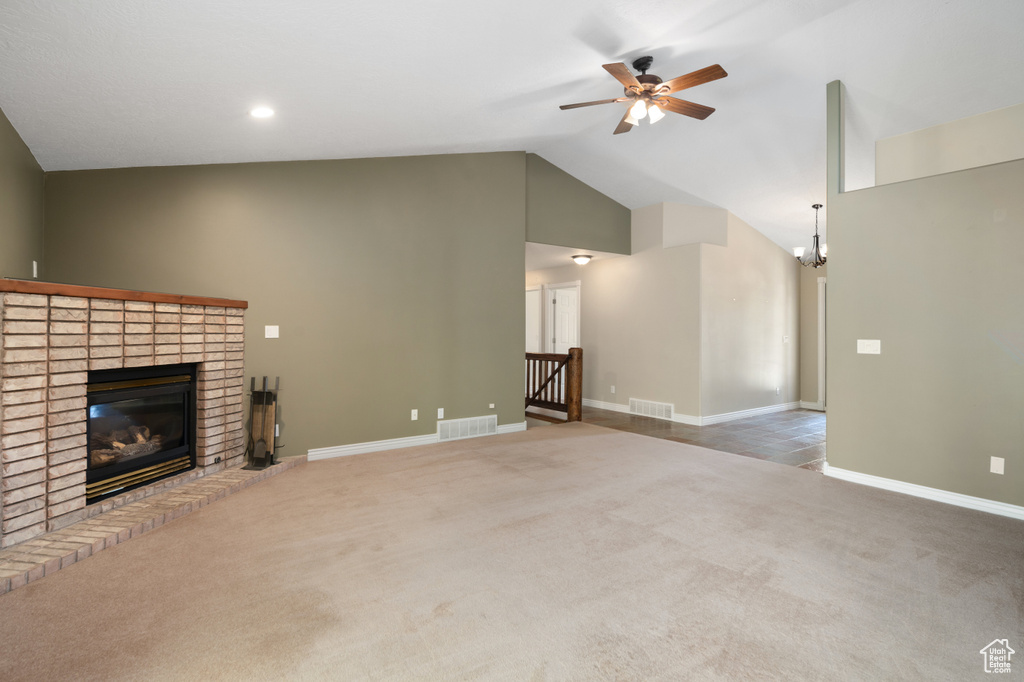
141 427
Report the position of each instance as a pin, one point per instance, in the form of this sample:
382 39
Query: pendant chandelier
816 257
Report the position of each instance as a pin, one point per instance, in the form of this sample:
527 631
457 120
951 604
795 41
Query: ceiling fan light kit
648 94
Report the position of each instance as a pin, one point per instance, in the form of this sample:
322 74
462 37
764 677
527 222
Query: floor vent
470 427
649 408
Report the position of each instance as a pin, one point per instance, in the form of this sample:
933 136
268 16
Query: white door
534 320
563 317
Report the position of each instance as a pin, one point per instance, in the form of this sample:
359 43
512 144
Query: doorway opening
553 318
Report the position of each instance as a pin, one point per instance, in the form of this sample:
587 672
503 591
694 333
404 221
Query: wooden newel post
574 385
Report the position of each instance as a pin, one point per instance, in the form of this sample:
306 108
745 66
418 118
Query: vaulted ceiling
108 83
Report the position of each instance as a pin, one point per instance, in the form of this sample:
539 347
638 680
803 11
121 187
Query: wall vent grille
649 408
470 427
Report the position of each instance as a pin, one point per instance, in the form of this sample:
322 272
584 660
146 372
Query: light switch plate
440 413
271 331
869 346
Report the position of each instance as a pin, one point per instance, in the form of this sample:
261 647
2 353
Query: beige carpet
565 553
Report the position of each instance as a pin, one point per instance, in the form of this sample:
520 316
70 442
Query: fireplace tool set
262 424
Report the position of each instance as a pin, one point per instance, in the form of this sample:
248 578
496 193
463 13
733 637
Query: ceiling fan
649 94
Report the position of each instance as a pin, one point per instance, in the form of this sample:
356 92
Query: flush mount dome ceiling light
581 259
261 112
648 94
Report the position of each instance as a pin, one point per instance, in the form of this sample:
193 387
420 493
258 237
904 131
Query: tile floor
795 437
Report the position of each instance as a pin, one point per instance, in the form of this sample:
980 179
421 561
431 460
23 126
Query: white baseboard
743 414
807 405
957 499
392 444
699 421
371 446
616 407
600 404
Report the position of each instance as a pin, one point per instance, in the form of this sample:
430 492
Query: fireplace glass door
140 427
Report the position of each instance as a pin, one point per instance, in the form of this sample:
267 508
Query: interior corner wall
686 224
639 326
647 228
563 211
749 323
21 205
809 332
931 268
711 329
396 282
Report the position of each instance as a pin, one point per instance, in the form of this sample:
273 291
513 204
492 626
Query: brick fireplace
51 337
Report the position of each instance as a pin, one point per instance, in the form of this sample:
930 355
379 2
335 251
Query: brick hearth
50 337
44 555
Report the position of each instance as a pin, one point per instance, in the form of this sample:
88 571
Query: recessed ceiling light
262 112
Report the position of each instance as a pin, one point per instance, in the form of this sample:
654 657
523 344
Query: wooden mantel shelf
27 286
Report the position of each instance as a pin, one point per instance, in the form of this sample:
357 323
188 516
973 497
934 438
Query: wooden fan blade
622 74
681 106
623 127
705 75
590 104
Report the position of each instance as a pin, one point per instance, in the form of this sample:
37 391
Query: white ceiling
109 83
544 256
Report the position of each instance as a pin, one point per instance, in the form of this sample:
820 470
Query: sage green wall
396 282
21 205
563 211
809 332
749 323
930 267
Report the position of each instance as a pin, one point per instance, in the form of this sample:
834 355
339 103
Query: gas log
121 444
